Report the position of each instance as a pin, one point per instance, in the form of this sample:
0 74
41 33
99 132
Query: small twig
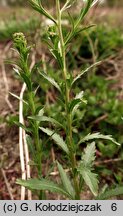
27 162
7 184
21 147
101 118
57 173
108 161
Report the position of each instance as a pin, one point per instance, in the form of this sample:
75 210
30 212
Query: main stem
67 100
36 141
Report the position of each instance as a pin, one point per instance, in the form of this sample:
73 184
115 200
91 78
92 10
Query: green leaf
89 155
38 7
36 66
83 12
75 32
74 103
57 56
43 184
56 137
30 144
85 71
27 81
90 179
39 111
97 136
66 181
85 168
46 119
110 193
50 79
23 126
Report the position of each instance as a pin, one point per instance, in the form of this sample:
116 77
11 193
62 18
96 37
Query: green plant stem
67 100
36 133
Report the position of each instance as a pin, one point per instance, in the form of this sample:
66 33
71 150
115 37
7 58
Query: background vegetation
103 86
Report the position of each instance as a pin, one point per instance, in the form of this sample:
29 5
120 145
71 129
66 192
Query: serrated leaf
86 166
66 181
43 184
50 79
85 71
46 119
90 178
89 155
97 136
110 193
56 137
74 103
79 98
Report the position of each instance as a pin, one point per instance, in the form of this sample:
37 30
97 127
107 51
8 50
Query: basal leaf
50 79
66 181
110 193
97 136
56 137
90 178
43 184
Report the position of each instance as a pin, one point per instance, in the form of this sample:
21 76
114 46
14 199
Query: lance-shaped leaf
57 56
23 126
110 193
27 81
43 184
97 136
66 181
68 4
75 32
85 71
36 5
83 12
46 119
56 137
86 166
50 79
